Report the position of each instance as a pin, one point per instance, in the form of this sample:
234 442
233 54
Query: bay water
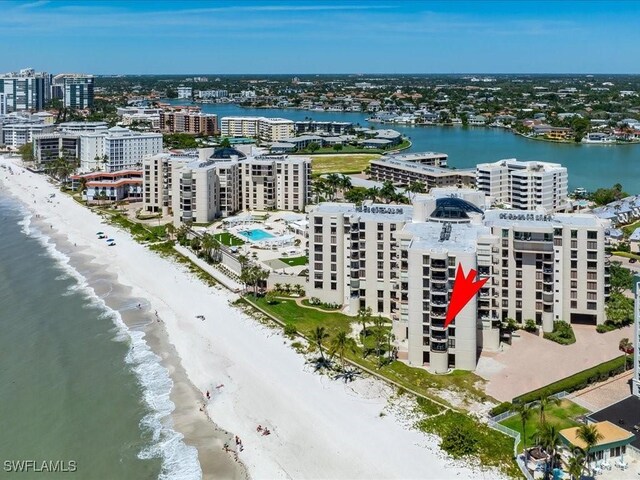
589 166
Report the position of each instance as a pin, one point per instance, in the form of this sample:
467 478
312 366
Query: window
380 255
519 304
592 255
574 304
574 264
574 274
538 305
505 233
380 293
574 234
334 286
592 235
592 245
592 265
574 294
592 285
574 243
505 303
574 284
538 285
518 283
592 296
518 293
592 306
317 285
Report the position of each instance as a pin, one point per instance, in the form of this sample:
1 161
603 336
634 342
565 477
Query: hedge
578 381
498 409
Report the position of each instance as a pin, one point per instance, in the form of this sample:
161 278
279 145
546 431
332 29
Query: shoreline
319 426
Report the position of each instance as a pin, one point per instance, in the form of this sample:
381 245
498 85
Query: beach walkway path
228 282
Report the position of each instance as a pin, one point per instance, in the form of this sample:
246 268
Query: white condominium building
401 262
524 185
235 181
263 128
76 89
117 149
194 191
15 135
185 92
275 182
404 172
433 159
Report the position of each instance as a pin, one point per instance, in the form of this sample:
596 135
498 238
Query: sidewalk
230 283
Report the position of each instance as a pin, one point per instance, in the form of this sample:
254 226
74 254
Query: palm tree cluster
339 186
210 248
380 336
252 275
548 437
61 168
286 289
339 345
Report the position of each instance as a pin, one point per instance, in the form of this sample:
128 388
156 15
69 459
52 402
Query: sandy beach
320 428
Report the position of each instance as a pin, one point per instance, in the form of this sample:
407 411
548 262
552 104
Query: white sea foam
179 461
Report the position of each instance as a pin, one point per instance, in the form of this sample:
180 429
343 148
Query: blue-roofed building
634 240
620 212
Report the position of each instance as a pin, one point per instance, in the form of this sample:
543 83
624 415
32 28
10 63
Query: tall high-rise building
77 90
401 261
24 90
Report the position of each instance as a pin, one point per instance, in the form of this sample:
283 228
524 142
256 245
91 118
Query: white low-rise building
263 128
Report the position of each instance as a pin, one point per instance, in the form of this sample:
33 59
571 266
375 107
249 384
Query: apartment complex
76 90
185 92
24 90
227 182
432 159
185 121
401 262
15 135
404 172
524 185
51 146
276 182
262 128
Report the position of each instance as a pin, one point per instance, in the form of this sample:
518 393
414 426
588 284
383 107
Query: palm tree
590 435
373 193
379 334
364 315
345 183
388 191
415 187
333 181
170 228
318 336
549 438
544 403
525 411
340 343
277 287
576 464
208 245
627 347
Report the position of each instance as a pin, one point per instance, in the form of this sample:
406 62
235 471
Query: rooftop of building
411 157
368 211
613 209
538 219
625 414
612 436
513 163
462 237
418 167
227 153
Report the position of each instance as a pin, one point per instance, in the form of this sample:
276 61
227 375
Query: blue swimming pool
256 235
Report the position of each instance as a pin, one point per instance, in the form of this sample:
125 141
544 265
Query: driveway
532 362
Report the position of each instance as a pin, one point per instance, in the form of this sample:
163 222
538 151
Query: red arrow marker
464 289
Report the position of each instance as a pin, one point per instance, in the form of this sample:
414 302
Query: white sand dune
320 428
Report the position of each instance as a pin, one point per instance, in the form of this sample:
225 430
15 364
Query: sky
320 37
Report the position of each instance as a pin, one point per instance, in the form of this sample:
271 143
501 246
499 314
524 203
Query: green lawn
562 416
341 163
418 379
226 238
295 261
627 255
629 229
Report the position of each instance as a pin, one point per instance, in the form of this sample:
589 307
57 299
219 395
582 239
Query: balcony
533 246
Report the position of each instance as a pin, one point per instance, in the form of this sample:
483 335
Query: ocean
77 386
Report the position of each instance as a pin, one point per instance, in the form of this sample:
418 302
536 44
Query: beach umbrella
99 233
110 240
